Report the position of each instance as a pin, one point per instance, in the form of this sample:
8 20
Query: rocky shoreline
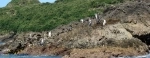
126 33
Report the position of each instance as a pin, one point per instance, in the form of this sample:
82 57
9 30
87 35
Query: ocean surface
2 43
27 56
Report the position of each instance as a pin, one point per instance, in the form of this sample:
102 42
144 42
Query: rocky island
126 33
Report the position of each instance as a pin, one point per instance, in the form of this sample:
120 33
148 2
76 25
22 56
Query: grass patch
47 16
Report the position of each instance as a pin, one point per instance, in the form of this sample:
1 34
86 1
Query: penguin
81 20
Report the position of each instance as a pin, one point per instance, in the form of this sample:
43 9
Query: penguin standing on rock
96 16
49 34
81 20
104 22
90 22
42 41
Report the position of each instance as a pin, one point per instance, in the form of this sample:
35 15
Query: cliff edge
126 33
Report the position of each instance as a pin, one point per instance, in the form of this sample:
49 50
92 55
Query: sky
3 3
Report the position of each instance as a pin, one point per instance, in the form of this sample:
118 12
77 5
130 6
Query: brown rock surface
123 35
41 50
103 52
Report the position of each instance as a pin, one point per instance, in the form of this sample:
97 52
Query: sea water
1 43
29 56
44 56
26 56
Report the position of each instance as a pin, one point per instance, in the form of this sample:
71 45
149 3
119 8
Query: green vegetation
46 16
14 3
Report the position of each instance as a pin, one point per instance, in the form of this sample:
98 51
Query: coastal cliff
126 33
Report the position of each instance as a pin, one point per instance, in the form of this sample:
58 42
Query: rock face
7 37
103 52
134 17
126 26
131 17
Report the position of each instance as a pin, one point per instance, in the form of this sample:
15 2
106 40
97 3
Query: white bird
104 22
112 5
90 21
96 16
81 20
49 34
42 41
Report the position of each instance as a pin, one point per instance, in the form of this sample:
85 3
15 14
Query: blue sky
3 3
